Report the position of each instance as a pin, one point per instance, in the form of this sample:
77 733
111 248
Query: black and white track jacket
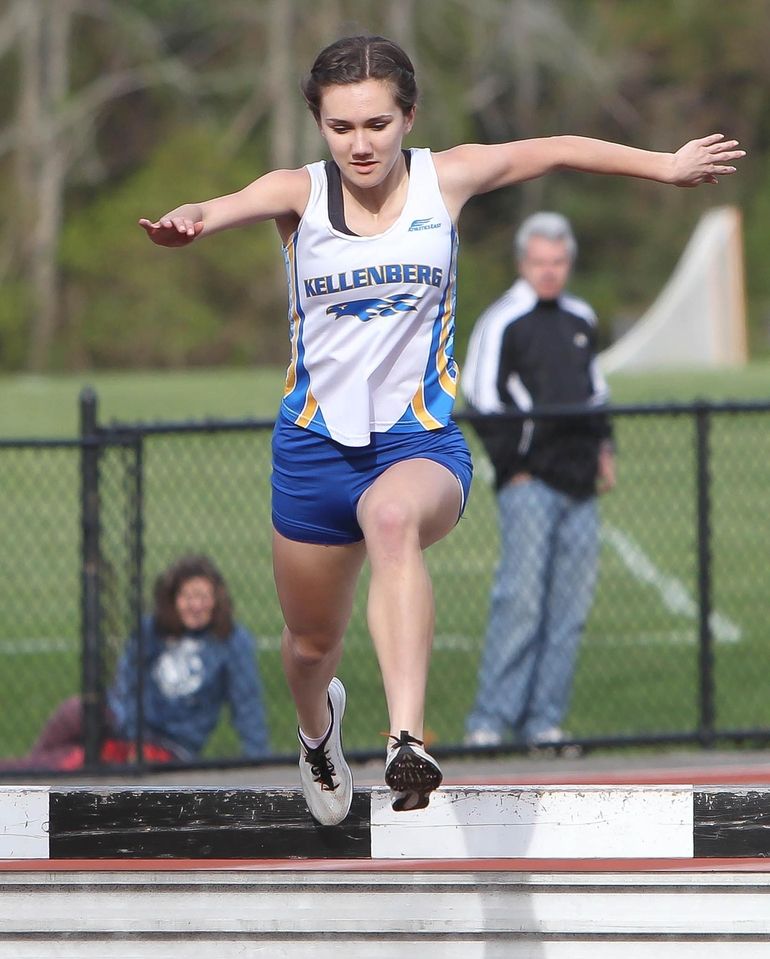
526 353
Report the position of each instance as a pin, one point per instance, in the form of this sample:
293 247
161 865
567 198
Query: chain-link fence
40 635
674 647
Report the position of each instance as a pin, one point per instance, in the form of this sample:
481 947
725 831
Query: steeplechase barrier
542 872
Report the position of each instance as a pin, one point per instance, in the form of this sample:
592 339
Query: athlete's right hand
172 231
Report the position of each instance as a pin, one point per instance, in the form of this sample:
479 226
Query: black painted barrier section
200 824
728 824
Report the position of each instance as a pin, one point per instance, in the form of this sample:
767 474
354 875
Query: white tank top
372 317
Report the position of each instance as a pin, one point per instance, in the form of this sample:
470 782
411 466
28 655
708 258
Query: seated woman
195 658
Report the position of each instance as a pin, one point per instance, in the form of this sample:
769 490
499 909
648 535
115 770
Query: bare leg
410 506
316 586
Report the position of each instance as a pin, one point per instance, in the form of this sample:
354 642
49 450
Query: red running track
679 776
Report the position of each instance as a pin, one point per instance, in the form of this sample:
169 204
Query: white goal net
699 318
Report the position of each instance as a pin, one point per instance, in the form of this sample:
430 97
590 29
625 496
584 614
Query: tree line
114 109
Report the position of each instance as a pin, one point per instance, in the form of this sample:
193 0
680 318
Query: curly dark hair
169 583
353 59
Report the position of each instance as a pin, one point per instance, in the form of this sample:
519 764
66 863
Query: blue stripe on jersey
318 423
441 375
439 381
298 399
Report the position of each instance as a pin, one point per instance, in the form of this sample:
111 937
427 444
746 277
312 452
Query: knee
69 710
390 524
310 648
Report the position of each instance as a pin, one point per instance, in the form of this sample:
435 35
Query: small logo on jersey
367 309
426 224
580 339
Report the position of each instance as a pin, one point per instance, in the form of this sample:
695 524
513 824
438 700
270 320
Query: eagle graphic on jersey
367 309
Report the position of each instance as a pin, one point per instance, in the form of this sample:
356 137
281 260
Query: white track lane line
672 592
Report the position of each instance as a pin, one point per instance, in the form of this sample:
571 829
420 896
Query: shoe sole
412 780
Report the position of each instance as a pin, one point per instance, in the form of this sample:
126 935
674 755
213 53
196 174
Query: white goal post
699 317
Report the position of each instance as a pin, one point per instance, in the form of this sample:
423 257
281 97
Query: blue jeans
542 593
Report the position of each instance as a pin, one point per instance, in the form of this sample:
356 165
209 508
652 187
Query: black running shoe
411 773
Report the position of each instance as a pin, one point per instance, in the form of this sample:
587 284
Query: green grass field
638 664
33 406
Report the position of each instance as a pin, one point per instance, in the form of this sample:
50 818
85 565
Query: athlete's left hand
705 160
171 230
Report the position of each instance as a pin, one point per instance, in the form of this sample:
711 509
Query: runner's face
195 602
364 126
546 266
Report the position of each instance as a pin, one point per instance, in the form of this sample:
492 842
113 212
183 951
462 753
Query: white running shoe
483 737
551 736
411 773
327 782
551 741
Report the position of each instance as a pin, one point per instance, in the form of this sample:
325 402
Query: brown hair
170 582
353 59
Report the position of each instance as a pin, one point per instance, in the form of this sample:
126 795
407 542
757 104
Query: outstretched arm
468 170
280 195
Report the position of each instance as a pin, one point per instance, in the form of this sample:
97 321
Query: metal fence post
136 526
90 525
705 638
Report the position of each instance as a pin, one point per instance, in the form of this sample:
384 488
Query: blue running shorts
318 482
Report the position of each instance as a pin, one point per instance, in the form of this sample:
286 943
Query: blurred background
115 109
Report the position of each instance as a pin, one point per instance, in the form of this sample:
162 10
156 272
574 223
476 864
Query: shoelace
405 739
321 767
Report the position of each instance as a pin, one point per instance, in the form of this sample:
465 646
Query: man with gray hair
535 347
